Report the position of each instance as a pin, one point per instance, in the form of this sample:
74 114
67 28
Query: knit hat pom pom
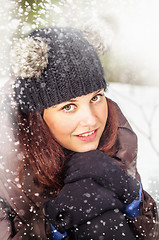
29 57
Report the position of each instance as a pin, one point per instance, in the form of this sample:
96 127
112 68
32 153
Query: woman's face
78 123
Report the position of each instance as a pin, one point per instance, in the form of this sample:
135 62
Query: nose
88 117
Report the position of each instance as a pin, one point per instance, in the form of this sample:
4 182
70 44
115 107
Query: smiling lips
88 136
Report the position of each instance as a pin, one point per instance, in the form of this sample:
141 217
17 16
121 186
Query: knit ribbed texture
73 70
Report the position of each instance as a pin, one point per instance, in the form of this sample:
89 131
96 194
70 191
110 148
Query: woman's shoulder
24 212
127 144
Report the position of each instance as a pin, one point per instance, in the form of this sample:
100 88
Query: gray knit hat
53 65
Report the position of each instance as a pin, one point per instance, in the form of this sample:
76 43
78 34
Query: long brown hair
46 156
108 141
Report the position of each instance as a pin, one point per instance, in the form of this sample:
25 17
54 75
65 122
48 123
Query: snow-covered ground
140 104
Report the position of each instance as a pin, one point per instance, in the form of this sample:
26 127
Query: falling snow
129 32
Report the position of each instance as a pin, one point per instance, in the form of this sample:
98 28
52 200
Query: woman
69 154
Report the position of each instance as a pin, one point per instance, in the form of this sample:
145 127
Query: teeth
86 134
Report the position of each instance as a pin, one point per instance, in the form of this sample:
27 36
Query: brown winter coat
21 215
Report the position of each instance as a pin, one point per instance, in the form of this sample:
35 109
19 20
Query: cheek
61 127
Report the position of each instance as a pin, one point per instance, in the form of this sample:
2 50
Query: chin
87 148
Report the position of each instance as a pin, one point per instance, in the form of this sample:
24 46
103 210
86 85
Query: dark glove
100 167
79 202
107 226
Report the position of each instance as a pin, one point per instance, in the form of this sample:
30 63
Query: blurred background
126 35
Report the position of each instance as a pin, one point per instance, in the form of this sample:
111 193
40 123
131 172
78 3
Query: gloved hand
107 226
78 202
100 167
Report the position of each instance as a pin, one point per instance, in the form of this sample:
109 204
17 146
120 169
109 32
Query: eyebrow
74 100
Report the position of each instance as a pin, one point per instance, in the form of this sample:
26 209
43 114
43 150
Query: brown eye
68 108
96 98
